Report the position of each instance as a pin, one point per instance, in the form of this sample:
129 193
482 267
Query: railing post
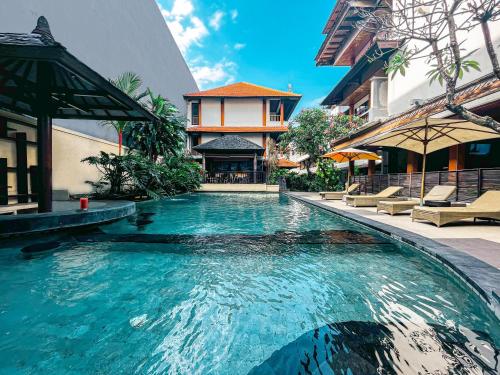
456 185
479 182
409 185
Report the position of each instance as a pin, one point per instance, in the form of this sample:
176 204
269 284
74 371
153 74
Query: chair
437 193
372 200
487 206
337 195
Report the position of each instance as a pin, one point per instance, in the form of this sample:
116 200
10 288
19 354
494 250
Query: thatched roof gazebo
40 78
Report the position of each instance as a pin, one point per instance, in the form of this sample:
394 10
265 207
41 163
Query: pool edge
16 225
480 277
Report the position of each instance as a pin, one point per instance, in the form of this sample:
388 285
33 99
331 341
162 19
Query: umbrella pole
422 187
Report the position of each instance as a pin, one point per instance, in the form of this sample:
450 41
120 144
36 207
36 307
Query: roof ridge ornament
43 29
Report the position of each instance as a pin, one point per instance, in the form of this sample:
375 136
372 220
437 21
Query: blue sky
270 43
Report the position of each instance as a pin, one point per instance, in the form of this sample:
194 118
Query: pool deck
470 250
65 215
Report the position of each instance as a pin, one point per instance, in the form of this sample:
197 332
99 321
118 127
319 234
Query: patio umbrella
351 154
431 134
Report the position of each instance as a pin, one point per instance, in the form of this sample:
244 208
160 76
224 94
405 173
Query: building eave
237 129
467 95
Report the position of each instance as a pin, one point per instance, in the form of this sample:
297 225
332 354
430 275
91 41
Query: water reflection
356 347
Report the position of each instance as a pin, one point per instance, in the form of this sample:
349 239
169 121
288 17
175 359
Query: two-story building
229 128
386 101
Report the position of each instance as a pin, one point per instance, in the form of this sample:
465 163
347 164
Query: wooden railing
243 177
275 117
470 183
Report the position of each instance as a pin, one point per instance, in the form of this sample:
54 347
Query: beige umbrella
431 134
351 154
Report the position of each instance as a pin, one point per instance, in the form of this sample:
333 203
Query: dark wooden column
22 168
412 162
44 156
371 167
4 188
350 173
44 140
456 158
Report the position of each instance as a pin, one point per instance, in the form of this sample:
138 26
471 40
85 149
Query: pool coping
14 225
482 278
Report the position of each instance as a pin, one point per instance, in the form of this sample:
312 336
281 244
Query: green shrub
326 177
133 175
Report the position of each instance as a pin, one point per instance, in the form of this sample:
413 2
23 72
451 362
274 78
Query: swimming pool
236 284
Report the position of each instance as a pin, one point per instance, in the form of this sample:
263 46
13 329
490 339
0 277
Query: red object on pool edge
84 203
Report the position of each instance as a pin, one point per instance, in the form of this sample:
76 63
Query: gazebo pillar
44 139
44 157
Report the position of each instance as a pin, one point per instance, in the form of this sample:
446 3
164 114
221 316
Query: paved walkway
480 240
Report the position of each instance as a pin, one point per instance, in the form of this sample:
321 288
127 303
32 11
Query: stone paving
481 240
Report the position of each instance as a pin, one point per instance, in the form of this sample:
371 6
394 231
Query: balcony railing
195 120
243 177
275 117
470 183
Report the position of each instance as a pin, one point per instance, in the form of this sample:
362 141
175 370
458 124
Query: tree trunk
120 141
472 117
490 48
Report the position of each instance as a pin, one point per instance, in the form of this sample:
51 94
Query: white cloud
216 19
189 30
234 14
208 75
186 28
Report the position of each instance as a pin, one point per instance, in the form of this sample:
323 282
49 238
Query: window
195 140
195 113
274 110
479 149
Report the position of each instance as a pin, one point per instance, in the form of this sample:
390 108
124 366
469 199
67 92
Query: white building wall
243 112
210 112
415 84
207 137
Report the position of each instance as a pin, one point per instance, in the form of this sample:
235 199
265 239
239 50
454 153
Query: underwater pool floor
236 284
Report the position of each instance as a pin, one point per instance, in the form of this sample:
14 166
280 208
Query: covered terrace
40 78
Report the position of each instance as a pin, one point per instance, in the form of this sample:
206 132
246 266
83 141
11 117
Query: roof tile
242 90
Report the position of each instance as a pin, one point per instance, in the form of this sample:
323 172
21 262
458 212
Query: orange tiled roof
284 163
237 129
242 90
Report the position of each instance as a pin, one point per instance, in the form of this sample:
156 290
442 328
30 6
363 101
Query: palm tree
129 83
166 137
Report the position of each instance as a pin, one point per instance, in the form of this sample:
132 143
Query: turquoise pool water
236 284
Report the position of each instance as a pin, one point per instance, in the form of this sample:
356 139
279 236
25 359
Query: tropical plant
134 175
342 125
327 176
272 156
129 83
308 134
162 138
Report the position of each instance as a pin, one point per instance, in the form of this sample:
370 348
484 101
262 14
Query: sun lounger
372 200
487 206
331 195
437 193
18 207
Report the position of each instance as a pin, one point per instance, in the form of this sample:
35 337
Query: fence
470 183
243 177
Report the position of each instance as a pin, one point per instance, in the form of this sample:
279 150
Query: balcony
195 120
274 117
